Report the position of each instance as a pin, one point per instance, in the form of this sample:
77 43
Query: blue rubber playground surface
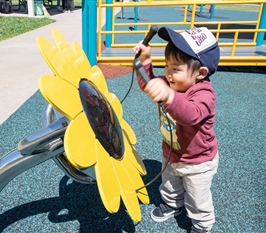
43 199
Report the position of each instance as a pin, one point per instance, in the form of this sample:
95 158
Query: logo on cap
198 39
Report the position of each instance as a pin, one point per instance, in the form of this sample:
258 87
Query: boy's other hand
159 91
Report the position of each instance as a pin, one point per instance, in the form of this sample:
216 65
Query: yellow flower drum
97 135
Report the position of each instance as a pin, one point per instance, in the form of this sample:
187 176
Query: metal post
136 14
261 26
31 8
122 11
89 29
212 11
201 10
108 24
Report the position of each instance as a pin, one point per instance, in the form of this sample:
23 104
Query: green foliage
13 26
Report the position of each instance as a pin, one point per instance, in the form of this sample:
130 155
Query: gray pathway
22 63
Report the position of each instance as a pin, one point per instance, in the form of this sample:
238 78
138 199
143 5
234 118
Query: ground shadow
78 202
243 69
246 35
153 168
82 202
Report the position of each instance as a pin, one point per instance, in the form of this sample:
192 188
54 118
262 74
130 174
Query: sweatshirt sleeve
148 68
193 106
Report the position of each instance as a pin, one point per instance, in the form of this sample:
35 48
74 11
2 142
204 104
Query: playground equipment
84 131
241 39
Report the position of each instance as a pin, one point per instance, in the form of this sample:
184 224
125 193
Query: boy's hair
172 51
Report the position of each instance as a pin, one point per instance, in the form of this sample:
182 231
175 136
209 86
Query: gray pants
189 185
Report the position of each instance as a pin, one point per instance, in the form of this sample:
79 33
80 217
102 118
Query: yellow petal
128 132
98 79
135 159
77 62
127 191
57 62
116 105
135 178
47 50
60 40
81 55
106 180
80 142
63 96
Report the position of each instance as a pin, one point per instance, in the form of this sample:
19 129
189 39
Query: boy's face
178 75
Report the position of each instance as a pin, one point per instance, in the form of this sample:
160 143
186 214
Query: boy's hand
145 53
159 91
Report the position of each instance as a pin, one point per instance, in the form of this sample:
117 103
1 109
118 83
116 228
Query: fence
240 33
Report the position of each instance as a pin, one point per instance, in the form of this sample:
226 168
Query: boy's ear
203 72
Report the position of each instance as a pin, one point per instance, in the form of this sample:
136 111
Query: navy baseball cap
199 43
